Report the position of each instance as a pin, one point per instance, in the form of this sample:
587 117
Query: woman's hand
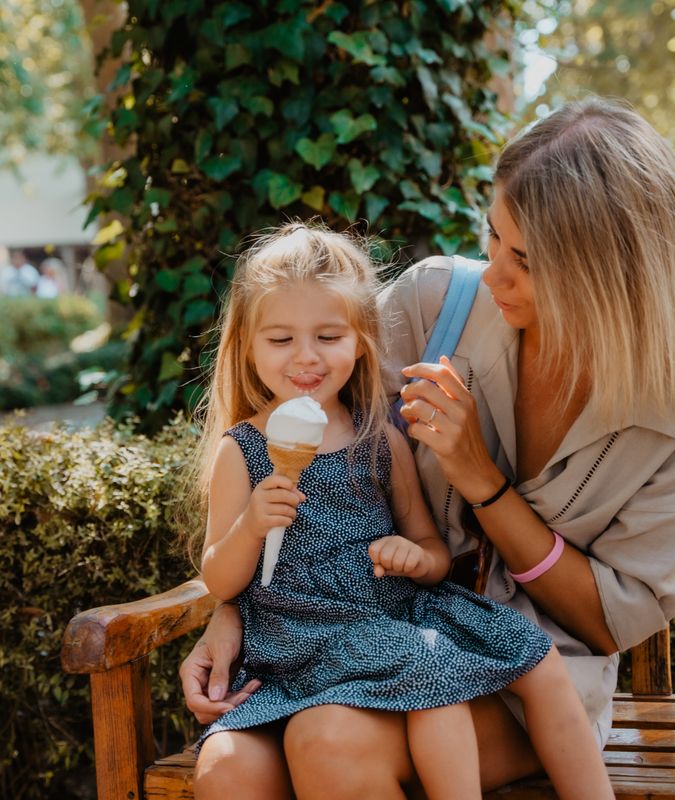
442 413
396 555
205 673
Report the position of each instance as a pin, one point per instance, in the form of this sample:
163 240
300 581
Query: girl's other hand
273 504
398 556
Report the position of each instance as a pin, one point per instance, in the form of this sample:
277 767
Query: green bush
236 115
85 520
40 327
33 381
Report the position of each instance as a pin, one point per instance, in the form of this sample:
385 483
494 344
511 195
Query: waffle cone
291 461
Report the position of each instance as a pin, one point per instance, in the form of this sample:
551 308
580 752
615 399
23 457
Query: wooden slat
636 739
643 758
105 637
169 783
122 715
650 714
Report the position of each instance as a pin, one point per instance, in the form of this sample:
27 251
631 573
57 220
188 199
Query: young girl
357 613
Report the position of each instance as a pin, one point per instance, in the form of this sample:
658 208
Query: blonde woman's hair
292 255
592 190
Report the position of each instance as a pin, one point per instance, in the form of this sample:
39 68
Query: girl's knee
318 731
248 763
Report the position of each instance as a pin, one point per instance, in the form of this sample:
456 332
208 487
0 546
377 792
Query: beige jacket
610 492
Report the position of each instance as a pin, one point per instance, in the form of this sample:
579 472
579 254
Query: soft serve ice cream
294 433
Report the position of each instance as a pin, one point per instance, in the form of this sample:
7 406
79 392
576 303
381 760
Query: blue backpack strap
448 328
455 311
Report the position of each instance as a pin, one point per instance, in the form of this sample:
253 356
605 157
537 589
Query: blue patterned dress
327 631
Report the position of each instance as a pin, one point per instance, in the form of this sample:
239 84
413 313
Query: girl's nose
305 352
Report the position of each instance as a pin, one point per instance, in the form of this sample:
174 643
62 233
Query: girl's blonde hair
592 190
292 255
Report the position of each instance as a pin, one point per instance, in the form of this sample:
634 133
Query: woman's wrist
483 489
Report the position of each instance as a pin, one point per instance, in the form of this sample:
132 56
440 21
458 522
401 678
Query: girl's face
304 344
508 276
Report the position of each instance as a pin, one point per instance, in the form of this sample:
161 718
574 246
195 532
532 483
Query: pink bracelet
543 566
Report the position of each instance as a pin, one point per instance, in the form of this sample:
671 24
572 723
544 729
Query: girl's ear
360 349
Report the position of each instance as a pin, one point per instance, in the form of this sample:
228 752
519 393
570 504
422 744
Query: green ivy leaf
425 208
166 225
358 47
282 191
170 368
168 280
220 167
236 55
284 70
317 153
224 111
346 204
198 311
375 205
160 196
362 177
258 105
314 197
389 75
108 253
195 285
348 128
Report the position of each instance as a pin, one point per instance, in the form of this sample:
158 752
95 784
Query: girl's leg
560 731
248 765
340 753
444 751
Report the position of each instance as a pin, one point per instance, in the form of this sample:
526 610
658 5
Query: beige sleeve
409 307
634 562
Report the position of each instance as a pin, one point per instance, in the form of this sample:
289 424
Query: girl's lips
306 381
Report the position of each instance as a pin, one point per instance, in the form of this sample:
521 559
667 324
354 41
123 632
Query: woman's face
508 276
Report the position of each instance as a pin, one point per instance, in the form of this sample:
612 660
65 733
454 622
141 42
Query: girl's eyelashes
287 339
521 264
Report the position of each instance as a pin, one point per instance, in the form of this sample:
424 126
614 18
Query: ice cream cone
290 461
289 427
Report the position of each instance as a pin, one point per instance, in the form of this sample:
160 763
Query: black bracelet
503 489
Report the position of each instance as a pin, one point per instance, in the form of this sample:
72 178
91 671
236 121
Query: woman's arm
418 552
567 592
239 520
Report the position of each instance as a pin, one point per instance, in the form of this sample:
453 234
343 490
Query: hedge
86 519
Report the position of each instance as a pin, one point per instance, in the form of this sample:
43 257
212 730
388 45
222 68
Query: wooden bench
112 644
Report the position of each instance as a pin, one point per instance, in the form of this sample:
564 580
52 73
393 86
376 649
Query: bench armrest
102 638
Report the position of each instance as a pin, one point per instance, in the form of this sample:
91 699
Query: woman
563 383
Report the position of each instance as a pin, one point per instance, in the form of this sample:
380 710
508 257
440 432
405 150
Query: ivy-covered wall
236 115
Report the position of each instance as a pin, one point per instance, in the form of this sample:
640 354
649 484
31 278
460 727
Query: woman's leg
248 765
444 751
340 753
561 733
333 747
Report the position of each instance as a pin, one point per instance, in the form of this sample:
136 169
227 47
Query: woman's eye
522 265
